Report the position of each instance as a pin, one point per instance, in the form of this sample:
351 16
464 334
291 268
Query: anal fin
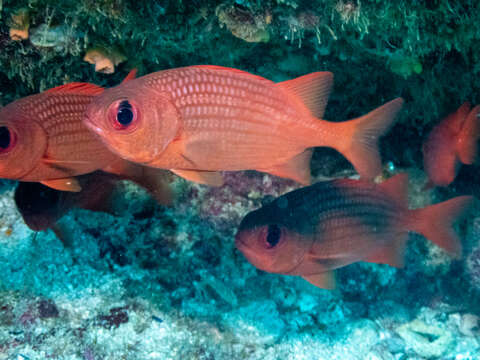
392 254
63 184
297 168
324 280
211 178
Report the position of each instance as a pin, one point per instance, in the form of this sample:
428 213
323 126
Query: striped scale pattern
61 115
342 215
243 114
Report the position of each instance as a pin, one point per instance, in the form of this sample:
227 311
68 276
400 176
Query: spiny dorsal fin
313 90
77 88
130 76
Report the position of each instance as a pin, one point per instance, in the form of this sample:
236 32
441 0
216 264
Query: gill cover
28 145
135 120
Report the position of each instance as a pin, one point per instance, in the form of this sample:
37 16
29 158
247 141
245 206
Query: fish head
271 244
23 141
134 120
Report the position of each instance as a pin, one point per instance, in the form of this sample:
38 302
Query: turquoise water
155 282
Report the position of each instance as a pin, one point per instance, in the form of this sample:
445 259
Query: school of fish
79 139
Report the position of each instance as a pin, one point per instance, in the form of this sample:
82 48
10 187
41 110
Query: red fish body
451 143
43 139
199 120
313 230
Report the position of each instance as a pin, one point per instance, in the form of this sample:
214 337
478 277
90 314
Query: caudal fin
435 222
360 138
466 145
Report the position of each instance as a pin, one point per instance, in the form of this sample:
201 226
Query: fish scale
206 118
335 223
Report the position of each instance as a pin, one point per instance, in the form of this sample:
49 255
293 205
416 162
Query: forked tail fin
360 138
435 222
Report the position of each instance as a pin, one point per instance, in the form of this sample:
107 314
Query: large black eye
125 113
5 138
273 235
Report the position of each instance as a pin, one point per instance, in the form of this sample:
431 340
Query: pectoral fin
211 178
324 280
64 184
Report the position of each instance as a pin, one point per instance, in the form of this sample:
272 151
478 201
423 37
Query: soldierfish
313 230
199 120
451 143
42 207
43 139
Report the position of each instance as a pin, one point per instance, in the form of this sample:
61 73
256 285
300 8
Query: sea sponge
243 23
19 24
104 59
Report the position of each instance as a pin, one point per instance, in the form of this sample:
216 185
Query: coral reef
157 282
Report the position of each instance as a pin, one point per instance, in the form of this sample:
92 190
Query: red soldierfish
198 120
313 230
451 143
43 139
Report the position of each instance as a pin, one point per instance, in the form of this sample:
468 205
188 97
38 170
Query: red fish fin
361 137
312 89
435 222
154 180
77 88
102 200
466 145
211 178
62 232
324 280
397 188
456 119
64 162
64 184
296 168
393 254
130 76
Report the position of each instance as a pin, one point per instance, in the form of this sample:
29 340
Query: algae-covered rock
426 340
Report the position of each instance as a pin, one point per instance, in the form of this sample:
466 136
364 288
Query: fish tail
435 222
466 146
358 140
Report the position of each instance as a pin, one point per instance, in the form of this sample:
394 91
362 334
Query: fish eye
273 236
124 115
7 139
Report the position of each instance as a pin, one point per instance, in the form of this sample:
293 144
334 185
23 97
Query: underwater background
154 282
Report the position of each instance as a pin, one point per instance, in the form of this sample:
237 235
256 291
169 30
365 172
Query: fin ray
313 90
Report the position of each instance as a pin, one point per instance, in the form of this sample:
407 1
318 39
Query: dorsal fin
312 89
230 70
77 88
397 188
130 76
